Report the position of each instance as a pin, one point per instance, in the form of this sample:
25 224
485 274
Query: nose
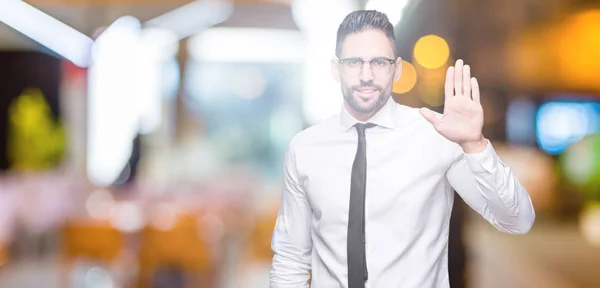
366 74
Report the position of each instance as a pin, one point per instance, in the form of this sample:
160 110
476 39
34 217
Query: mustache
369 84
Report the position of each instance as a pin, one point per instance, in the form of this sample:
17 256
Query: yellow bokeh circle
431 51
407 80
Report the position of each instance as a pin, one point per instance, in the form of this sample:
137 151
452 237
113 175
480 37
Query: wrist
477 146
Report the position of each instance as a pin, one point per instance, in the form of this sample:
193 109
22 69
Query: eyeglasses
354 66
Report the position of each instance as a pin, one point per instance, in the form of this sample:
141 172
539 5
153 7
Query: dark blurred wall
20 70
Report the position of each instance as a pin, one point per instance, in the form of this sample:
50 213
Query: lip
366 93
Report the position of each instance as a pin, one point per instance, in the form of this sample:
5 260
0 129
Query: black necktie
357 262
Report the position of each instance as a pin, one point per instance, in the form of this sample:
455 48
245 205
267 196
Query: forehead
367 44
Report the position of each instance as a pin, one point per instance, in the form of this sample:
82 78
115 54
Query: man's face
366 87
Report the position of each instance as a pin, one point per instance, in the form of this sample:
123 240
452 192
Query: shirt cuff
484 161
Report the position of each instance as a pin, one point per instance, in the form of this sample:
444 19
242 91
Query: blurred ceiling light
156 47
118 28
49 32
113 116
126 82
247 45
392 8
159 42
431 51
194 17
408 79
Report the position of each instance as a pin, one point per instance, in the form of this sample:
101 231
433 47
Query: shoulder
315 133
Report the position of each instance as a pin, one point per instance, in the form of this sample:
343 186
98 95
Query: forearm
491 186
292 251
290 268
507 200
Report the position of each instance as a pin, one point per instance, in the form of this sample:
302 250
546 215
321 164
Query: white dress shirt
412 172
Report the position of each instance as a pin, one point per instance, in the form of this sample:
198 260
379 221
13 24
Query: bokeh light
408 79
581 164
431 51
589 224
571 47
577 49
100 204
559 124
128 217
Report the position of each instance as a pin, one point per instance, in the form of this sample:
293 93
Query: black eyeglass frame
362 63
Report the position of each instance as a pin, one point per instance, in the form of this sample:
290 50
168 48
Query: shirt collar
385 117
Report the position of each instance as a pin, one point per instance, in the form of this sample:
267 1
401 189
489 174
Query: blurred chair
95 241
179 249
3 257
260 237
253 270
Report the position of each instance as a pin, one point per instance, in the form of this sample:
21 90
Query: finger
467 81
429 115
475 88
458 69
449 86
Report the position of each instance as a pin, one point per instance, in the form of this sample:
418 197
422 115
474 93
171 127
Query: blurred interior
141 140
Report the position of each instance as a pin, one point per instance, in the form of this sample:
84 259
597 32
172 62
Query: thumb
429 115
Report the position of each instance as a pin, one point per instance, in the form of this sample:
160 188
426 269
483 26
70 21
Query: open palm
462 120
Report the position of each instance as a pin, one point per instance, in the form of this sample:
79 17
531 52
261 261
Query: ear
398 71
335 70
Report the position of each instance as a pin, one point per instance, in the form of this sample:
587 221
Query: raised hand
462 120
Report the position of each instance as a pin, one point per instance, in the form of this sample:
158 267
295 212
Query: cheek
386 83
348 83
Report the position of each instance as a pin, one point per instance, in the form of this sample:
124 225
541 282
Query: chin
364 104
365 107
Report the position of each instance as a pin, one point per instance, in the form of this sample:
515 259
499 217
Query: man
368 193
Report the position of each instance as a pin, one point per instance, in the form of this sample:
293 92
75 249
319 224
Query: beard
365 106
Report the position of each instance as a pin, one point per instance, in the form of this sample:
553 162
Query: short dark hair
361 20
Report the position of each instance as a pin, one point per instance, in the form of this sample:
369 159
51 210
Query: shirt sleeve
489 187
291 242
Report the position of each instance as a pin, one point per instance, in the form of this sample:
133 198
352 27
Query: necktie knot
360 129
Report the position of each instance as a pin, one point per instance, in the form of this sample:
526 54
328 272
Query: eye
354 62
379 62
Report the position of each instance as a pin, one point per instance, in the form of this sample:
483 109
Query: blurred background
141 140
